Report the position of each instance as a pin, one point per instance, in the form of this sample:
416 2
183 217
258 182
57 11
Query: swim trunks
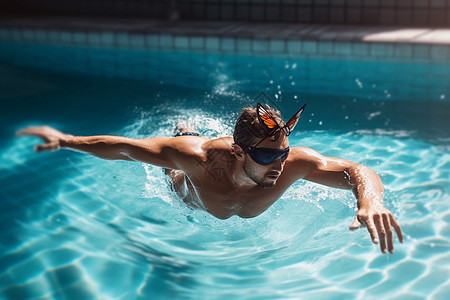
186 133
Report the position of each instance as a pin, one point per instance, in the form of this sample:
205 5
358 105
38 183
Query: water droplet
292 83
295 97
346 117
442 97
276 96
320 123
294 66
373 115
271 82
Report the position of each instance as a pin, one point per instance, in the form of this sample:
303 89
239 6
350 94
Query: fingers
21 132
47 147
389 236
372 231
397 228
379 225
356 224
33 131
364 220
381 232
385 233
28 131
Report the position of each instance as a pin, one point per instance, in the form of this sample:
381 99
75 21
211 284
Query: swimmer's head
248 129
261 123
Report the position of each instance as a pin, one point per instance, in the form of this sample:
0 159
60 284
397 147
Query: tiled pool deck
234 37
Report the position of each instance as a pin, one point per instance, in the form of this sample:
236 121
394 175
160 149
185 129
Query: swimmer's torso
206 186
218 200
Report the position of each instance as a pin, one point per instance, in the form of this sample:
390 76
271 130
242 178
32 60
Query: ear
238 152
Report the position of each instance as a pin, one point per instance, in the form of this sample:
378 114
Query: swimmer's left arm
365 184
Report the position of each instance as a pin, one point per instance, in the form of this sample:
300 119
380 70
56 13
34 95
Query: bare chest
224 202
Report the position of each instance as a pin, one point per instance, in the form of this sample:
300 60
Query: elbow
361 175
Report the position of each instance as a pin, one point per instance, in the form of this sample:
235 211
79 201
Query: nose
278 164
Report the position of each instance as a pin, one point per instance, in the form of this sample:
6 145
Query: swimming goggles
266 156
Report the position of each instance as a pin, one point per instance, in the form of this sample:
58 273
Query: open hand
379 222
52 137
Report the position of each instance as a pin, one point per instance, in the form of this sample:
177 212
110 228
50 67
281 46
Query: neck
240 178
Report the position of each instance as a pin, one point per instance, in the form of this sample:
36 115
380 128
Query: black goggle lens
266 156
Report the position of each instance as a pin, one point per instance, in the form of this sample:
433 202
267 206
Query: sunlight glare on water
78 227
304 235
123 216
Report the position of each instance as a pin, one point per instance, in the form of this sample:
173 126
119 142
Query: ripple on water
407 271
430 281
442 292
407 296
444 231
383 262
420 228
23 272
342 267
111 277
364 280
430 248
113 229
59 257
35 288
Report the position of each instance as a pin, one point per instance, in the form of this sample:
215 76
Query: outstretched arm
160 151
367 187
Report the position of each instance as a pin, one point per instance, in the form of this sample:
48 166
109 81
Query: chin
267 184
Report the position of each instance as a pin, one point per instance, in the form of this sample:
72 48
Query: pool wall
71 221
377 42
142 49
352 12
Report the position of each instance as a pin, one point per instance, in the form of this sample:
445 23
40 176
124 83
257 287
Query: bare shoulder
302 161
196 145
192 151
314 161
304 154
216 150
190 145
223 143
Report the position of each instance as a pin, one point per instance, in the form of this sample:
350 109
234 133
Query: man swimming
241 175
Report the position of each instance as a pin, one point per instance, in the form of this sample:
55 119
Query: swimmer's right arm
159 151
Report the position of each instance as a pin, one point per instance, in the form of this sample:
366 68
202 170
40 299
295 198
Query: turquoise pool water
77 227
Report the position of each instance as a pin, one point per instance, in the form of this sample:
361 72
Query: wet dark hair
248 129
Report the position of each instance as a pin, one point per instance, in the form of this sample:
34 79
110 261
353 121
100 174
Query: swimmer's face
266 176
